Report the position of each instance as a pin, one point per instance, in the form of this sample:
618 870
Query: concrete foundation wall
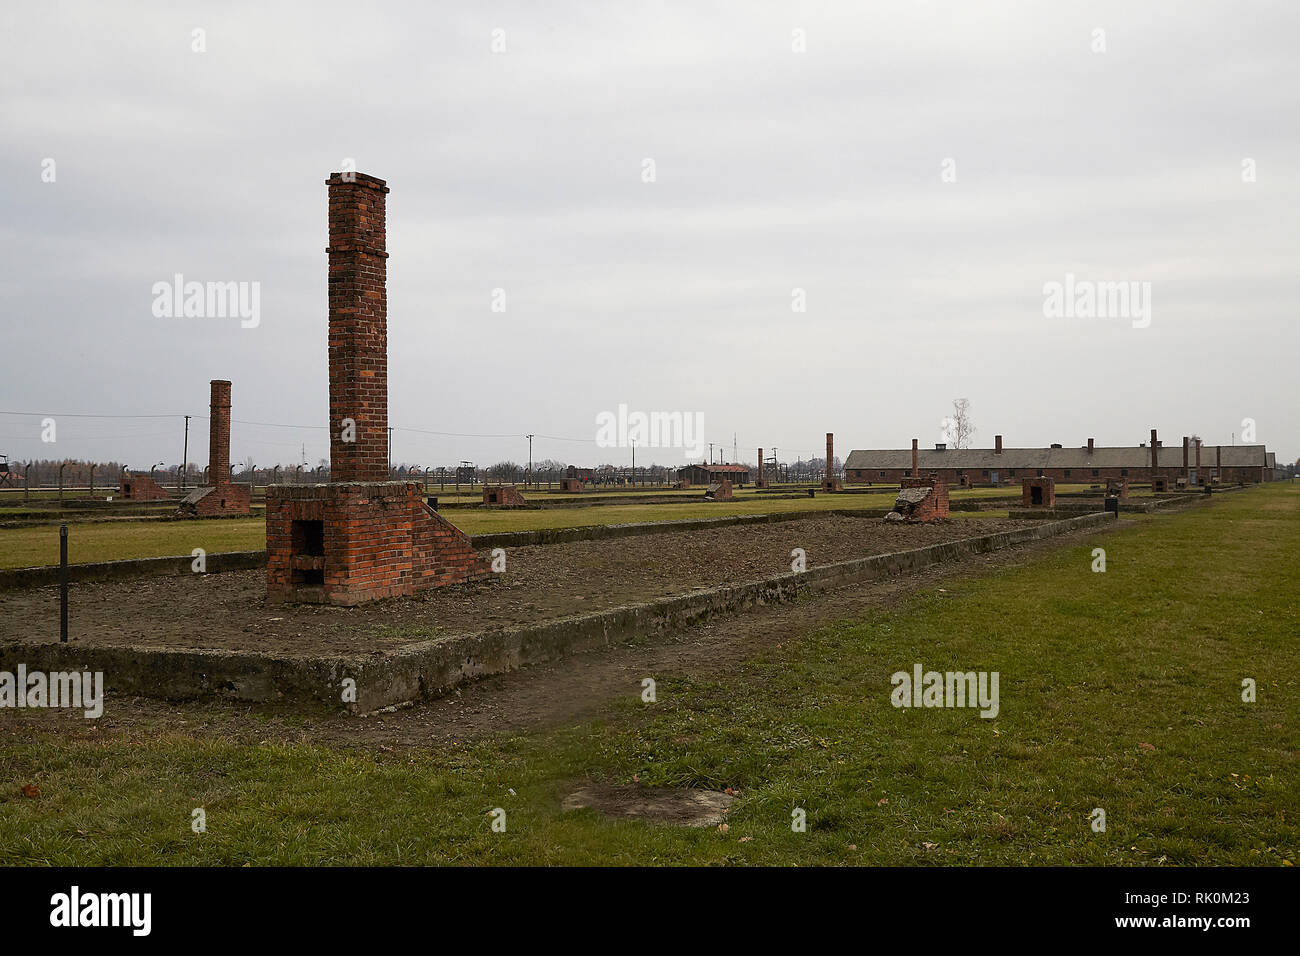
431 668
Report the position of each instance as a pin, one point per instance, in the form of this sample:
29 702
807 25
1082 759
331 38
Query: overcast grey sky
776 170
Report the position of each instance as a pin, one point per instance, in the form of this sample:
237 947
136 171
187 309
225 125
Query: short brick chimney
997 444
1090 445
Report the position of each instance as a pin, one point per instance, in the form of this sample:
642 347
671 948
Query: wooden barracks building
708 474
998 465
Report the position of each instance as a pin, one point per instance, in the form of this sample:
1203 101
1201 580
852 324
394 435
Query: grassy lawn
118 540
90 541
1119 690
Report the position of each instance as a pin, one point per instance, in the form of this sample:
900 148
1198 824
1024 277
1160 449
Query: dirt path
555 694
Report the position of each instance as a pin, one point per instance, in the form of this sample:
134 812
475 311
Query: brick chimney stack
1155 454
1090 445
916 458
1198 458
219 434
760 464
997 444
358 327
1186 443
830 455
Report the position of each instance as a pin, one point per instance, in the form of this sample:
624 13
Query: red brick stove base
502 495
348 543
218 502
934 506
142 488
1045 496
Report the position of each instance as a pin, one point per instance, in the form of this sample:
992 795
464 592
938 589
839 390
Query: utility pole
530 461
185 456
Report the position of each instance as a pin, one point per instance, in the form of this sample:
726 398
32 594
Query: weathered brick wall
571 484
358 327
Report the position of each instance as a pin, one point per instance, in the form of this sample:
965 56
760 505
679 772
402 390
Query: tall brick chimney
219 434
916 458
1198 458
1186 443
360 537
760 464
1155 454
830 455
997 444
358 327
1090 445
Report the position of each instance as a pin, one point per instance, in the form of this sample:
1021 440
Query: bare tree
962 427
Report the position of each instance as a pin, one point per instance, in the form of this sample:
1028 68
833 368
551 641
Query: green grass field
1119 691
90 541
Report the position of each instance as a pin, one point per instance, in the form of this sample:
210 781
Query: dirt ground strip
230 611
558 693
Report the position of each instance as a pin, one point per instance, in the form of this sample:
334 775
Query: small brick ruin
141 488
503 495
1038 492
222 497
830 482
1159 484
571 485
1117 488
360 537
719 491
921 499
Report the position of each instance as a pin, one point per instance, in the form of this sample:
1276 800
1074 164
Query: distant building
989 466
714 474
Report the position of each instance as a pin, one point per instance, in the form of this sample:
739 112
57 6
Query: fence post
63 583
